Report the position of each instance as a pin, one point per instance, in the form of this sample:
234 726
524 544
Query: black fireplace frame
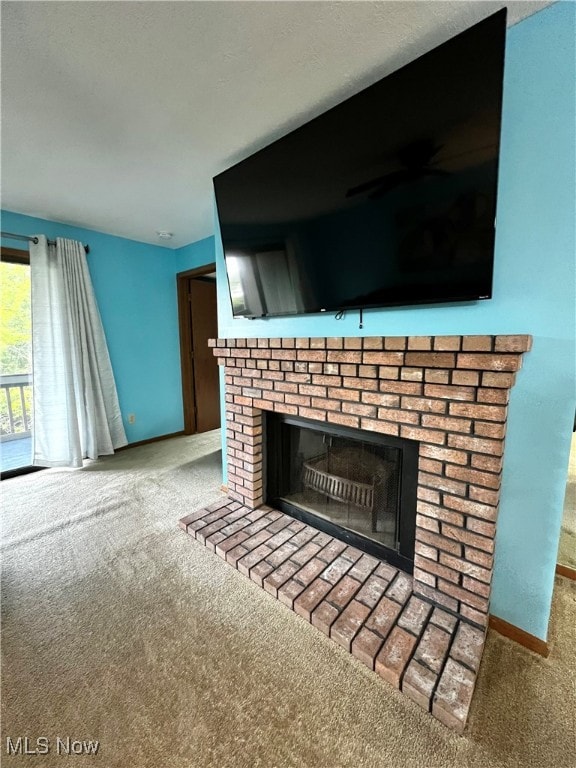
275 471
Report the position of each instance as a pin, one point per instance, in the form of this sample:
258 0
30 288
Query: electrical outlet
131 418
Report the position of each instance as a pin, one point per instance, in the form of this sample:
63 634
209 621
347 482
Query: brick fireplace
447 393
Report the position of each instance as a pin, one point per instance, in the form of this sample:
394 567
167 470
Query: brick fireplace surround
448 393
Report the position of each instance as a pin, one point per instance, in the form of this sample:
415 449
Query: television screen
388 198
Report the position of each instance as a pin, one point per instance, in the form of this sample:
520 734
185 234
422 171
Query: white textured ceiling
116 115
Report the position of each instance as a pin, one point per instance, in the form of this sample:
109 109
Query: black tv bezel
449 298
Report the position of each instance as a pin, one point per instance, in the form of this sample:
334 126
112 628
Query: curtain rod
34 240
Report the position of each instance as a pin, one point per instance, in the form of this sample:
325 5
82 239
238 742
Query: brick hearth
366 606
450 395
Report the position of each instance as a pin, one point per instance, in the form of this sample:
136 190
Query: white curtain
76 410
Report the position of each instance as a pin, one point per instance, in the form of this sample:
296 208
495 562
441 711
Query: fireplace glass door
343 481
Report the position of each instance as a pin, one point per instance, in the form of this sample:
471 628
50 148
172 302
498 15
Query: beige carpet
118 627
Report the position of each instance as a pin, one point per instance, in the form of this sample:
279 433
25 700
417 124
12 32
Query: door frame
16 256
186 365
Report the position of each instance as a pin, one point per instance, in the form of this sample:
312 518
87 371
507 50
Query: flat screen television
387 199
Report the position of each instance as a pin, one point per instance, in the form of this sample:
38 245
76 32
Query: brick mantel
449 393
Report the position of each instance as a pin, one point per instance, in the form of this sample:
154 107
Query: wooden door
204 326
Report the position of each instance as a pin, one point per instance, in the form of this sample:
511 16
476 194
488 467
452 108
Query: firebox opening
355 485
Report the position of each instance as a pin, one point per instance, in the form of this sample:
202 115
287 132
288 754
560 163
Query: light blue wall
135 287
534 293
195 254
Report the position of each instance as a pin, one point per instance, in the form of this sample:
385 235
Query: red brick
496 396
401 588
346 356
372 591
423 566
343 592
420 342
346 626
475 411
279 577
464 595
384 427
440 542
430 465
467 507
373 342
318 343
449 392
233 555
447 343
453 695
377 398
476 587
395 655
351 382
310 571
366 645
401 387
490 429
466 378
332 550
382 358
428 495
324 616
354 342
476 444
312 413
414 615
423 435
383 617
351 391
412 374
418 684
476 556
343 419
357 409
426 405
312 596
436 596
252 558
442 483
334 572
443 454
260 571
289 591
488 463
423 549
430 359
192 517
477 343
395 342
398 416
519 343
484 495
446 423
444 620
386 571
465 537
367 371
363 567
437 376
467 475
478 617
388 372
463 566
334 342
498 380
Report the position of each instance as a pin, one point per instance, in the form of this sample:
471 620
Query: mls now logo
24 745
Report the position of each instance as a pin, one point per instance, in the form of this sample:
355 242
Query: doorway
198 319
